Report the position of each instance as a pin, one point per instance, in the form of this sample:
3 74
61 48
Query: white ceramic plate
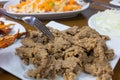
50 15
15 29
8 60
11 62
115 2
113 43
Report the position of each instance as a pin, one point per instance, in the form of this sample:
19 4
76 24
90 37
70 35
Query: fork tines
43 29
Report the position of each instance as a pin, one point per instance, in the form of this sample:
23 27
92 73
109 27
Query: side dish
41 6
7 39
5 29
106 22
73 50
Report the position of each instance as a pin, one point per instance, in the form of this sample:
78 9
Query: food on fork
41 6
73 51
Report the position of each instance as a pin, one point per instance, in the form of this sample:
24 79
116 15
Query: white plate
11 62
115 2
50 15
8 60
15 29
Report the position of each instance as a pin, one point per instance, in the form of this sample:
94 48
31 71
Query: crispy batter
7 40
5 29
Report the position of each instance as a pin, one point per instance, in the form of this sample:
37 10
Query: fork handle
7 14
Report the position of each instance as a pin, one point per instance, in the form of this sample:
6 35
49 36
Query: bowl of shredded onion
106 22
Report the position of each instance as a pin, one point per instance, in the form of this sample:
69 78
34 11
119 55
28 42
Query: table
79 20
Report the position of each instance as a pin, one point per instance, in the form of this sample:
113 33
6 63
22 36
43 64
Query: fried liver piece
72 51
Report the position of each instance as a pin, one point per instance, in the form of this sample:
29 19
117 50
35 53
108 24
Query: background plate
50 15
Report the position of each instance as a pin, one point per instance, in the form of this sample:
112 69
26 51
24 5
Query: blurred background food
38 6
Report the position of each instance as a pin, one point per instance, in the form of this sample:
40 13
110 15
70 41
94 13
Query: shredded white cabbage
108 22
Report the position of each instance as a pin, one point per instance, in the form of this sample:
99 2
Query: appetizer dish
5 29
73 51
46 9
7 39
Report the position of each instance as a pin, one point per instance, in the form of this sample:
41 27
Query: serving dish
48 15
11 62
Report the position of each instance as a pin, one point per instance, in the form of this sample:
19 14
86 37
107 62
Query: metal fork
33 21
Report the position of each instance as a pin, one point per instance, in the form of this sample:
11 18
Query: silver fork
33 21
